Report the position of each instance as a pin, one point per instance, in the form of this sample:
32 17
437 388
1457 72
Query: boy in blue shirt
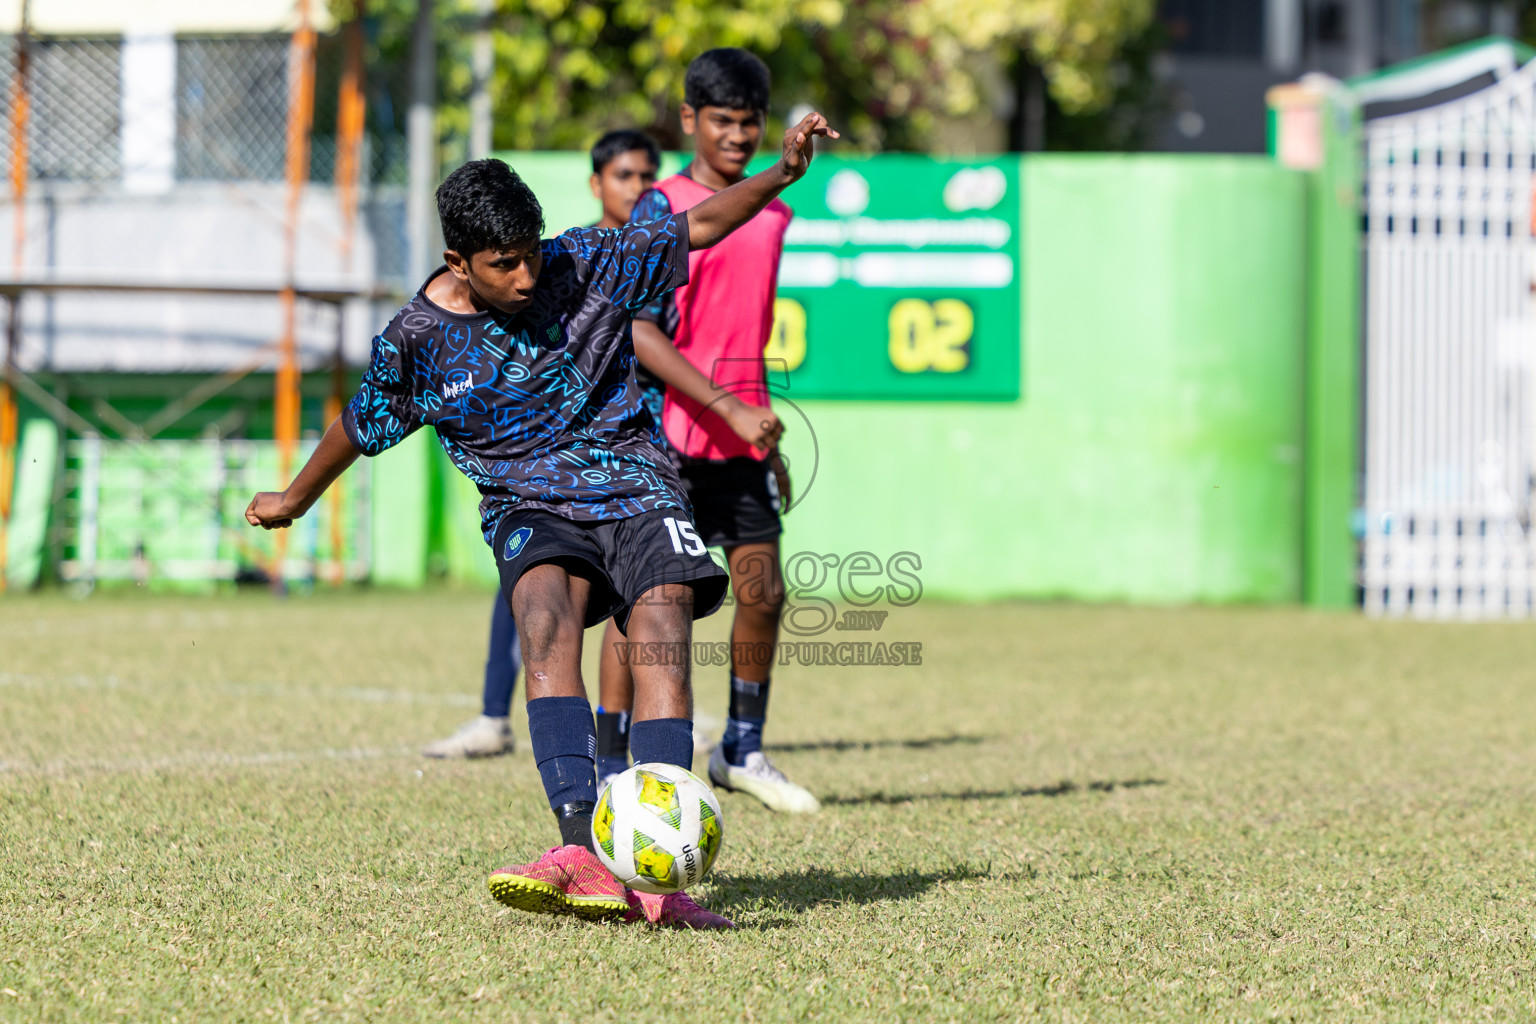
624 166
518 354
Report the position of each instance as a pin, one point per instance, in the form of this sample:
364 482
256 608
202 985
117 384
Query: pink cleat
566 880
676 910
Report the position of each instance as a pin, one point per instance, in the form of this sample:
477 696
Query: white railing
1449 321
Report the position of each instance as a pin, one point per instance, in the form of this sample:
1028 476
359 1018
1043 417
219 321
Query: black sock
744 724
564 746
668 740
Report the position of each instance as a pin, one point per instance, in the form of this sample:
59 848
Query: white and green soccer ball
658 828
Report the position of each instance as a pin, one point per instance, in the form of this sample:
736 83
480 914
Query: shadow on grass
1063 788
799 891
920 743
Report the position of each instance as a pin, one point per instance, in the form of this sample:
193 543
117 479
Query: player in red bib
705 342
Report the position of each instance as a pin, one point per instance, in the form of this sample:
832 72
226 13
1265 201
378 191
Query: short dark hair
623 140
484 205
727 77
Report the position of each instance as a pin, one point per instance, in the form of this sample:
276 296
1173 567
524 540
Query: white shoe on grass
480 737
759 778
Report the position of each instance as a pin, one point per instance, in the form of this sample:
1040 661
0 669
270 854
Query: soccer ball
657 827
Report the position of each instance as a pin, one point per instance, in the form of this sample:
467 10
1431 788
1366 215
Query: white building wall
194 234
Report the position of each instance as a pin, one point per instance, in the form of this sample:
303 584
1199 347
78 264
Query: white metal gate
1450 330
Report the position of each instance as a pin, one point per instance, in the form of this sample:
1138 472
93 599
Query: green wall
1156 452
26 533
561 183
1333 359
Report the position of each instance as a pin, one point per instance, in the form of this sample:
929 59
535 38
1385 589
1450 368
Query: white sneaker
482 736
759 778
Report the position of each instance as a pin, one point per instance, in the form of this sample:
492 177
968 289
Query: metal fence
231 108
76 109
106 110
1450 426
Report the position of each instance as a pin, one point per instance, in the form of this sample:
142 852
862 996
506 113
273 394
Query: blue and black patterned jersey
540 409
653 204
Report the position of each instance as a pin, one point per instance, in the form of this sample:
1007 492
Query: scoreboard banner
900 280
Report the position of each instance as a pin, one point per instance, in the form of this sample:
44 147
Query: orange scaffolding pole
21 116
351 117
286 399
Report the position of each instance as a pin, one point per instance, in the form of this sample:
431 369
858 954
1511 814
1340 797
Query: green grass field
212 810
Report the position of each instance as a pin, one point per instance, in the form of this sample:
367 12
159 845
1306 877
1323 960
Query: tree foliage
884 70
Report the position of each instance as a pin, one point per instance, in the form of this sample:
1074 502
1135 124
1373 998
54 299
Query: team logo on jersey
515 542
550 334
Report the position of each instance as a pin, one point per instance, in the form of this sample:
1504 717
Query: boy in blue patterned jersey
518 355
624 166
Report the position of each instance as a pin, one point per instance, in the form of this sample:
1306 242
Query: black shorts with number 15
621 558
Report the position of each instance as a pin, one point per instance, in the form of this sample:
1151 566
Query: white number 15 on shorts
685 539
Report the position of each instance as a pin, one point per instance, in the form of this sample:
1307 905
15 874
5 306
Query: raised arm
273 510
730 208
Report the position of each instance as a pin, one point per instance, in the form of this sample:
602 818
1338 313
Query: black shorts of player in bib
621 558
735 501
